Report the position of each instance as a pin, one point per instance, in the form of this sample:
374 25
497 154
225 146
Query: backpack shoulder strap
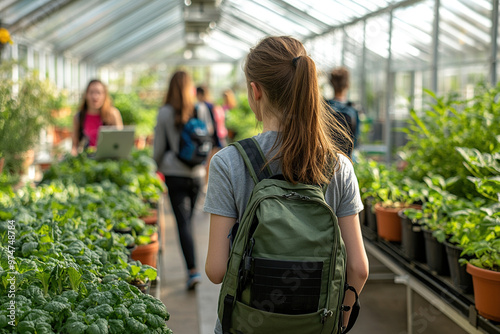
254 159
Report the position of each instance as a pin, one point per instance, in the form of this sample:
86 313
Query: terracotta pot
146 253
152 218
140 142
154 237
389 223
486 285
60 134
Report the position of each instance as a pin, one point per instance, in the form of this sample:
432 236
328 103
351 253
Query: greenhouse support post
435 46
388 98
494 42
363 67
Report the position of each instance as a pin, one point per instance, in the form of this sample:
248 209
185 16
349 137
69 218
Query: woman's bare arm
218 247
357 261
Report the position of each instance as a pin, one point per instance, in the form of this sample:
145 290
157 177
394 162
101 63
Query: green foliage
135 111
241 120
387 185
136 175
486 254
435 133
22 115
72 272
485 170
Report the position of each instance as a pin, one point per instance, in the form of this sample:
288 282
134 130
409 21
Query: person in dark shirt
343 109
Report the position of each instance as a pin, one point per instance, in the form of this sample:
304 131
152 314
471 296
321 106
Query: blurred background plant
25 110
241 122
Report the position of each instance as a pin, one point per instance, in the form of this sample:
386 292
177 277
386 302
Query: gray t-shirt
230 184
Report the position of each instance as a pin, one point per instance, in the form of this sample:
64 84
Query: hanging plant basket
486 285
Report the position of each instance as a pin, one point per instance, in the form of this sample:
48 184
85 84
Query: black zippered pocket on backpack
287 287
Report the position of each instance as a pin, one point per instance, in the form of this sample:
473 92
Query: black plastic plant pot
435 254
412 239
461 279
143 287
362 217
127 230
371 219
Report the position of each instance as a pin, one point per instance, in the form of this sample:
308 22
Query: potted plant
393 195
146 240
485 271
484 266
22 116
412 235
141 276
367 171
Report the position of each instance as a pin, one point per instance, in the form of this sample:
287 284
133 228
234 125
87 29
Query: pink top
91 126
220 120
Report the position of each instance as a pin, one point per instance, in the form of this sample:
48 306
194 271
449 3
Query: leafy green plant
241 120
485 170
435 133
24 112
486 254
135 111
72 271
386 185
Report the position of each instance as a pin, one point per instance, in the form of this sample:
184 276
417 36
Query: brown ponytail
180 97
308 152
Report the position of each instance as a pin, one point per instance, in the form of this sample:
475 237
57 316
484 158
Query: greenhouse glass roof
122 32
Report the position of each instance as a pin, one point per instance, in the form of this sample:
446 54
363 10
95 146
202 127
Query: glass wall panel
353 58
412 37
377 44
464 46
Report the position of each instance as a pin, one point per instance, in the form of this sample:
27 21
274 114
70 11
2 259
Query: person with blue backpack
182 143
343 109
285 239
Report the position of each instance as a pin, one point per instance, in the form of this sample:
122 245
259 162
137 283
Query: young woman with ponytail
297 140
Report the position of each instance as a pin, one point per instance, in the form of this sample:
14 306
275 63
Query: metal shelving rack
436 290
156 290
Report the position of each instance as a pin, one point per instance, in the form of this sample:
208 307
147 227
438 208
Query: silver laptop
113 143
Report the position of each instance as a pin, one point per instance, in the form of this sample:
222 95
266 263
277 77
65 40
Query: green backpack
286 270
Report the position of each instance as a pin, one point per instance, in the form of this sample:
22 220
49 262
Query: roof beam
38 14
297 12
378 12
77 37
124 29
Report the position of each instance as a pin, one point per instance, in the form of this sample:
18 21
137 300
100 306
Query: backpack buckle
247 261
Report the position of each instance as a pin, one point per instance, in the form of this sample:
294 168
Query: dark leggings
183 192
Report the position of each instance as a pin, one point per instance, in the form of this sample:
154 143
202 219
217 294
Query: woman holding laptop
95 110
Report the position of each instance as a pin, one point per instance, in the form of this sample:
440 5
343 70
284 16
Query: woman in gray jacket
183 182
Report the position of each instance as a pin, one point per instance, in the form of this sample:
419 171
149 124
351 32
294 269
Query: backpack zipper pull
287 196
326 314
293 194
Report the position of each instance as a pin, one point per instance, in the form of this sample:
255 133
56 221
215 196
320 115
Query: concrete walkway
383 303
191 312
